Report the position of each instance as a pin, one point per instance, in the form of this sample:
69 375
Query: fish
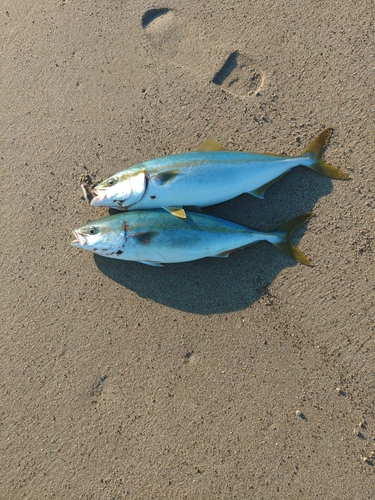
211 174
155 238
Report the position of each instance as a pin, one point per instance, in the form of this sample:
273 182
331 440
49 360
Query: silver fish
155 238
209 175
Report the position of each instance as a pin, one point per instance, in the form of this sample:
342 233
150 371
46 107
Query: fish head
121 190
105 236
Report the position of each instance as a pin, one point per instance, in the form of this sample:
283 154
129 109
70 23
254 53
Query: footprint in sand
156 18
162 31
239 75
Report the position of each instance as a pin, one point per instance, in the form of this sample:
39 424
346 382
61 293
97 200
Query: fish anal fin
176 211
211 144
259 192
145 236
167 176
225 254
151 263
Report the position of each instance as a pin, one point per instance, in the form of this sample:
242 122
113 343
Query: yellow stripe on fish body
210 175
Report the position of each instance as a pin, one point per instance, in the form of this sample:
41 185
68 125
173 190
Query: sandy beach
247 377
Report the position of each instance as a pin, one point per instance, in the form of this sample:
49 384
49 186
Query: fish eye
93 230
111 181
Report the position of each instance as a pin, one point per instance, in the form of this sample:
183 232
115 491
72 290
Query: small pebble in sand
300 415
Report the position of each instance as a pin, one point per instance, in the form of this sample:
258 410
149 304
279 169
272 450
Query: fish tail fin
284 231
315 150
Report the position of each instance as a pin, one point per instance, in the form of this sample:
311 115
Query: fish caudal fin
315 150
285 245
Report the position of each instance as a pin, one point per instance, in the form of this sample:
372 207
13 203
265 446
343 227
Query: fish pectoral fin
176 211
167 176
259 192
211 144
151 263
145 236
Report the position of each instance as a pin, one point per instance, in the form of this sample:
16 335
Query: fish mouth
80 239
99 197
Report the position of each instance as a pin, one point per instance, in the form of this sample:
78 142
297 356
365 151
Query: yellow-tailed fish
209 175
155 238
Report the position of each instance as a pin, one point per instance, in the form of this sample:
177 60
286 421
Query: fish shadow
215 285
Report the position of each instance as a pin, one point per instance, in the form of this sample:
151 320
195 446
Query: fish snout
80 239
98 199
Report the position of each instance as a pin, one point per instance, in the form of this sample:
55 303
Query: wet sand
246 377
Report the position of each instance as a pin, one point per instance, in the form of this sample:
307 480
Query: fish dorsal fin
210 144
176 211
145 236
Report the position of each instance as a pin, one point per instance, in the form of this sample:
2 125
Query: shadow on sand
212 285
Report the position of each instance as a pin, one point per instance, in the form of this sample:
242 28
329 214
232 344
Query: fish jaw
112 196
109 198
80 240
99 197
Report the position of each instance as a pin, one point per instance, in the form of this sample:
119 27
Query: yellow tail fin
285 245
315 150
